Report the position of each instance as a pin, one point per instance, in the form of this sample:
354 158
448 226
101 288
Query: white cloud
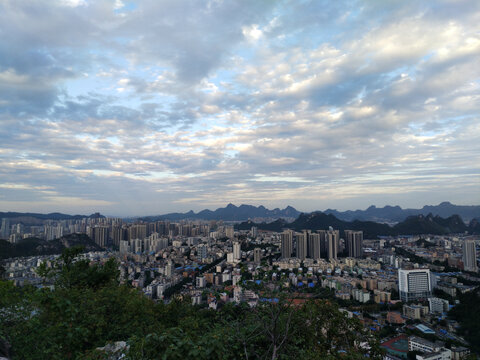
252 32
191 102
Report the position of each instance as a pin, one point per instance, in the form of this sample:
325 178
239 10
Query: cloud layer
140 108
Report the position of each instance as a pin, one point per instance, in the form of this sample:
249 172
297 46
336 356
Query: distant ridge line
387 214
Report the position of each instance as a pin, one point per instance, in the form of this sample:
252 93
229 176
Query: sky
148 107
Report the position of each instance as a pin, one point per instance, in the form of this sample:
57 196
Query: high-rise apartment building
202 251
414 284
469 256
229 231
5 230
137 231
332 237
236 251
168 269
354 243
257 255
314 241
52 232
119 233
100 235
323 243
124 246
162 227
302 245
287 243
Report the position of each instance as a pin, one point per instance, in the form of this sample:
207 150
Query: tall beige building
100 235
236 251
229 232
354 243
287 243
257 255
332 237
314 241
302 245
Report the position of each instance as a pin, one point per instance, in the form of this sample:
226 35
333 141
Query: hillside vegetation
35 246
413 225
89 308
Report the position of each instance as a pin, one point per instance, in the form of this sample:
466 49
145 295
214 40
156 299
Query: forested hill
393 214
39 219
50 216
230 213
36 246
413 225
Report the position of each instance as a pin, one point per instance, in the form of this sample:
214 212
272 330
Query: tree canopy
89 308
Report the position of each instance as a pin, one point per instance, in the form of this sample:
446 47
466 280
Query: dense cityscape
239 179
401 288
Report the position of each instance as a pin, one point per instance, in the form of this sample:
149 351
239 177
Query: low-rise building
414 312
437 305
460 352
361 295
416 343
394 317
382 296
444 354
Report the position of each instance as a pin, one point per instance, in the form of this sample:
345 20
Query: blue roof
424 329
275 300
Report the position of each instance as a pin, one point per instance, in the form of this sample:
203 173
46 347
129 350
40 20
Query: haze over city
137 108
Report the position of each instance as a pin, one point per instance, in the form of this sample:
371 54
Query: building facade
287 243
469 256
414 284
354 243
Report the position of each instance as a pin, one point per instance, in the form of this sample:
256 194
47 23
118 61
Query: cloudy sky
147 107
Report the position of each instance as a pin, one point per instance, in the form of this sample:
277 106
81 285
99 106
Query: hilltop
413 225
35 246
394 214
230 213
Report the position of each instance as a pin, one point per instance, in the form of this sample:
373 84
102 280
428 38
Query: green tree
86 309
467 313
2 271
69 271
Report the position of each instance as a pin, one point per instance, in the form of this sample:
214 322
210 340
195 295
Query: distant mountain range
388 214
230 213
36 246
394 214
37 219
413 225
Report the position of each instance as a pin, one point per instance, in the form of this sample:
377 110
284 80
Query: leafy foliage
35 246
467 313
89 308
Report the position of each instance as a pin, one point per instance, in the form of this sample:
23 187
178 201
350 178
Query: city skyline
142 108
